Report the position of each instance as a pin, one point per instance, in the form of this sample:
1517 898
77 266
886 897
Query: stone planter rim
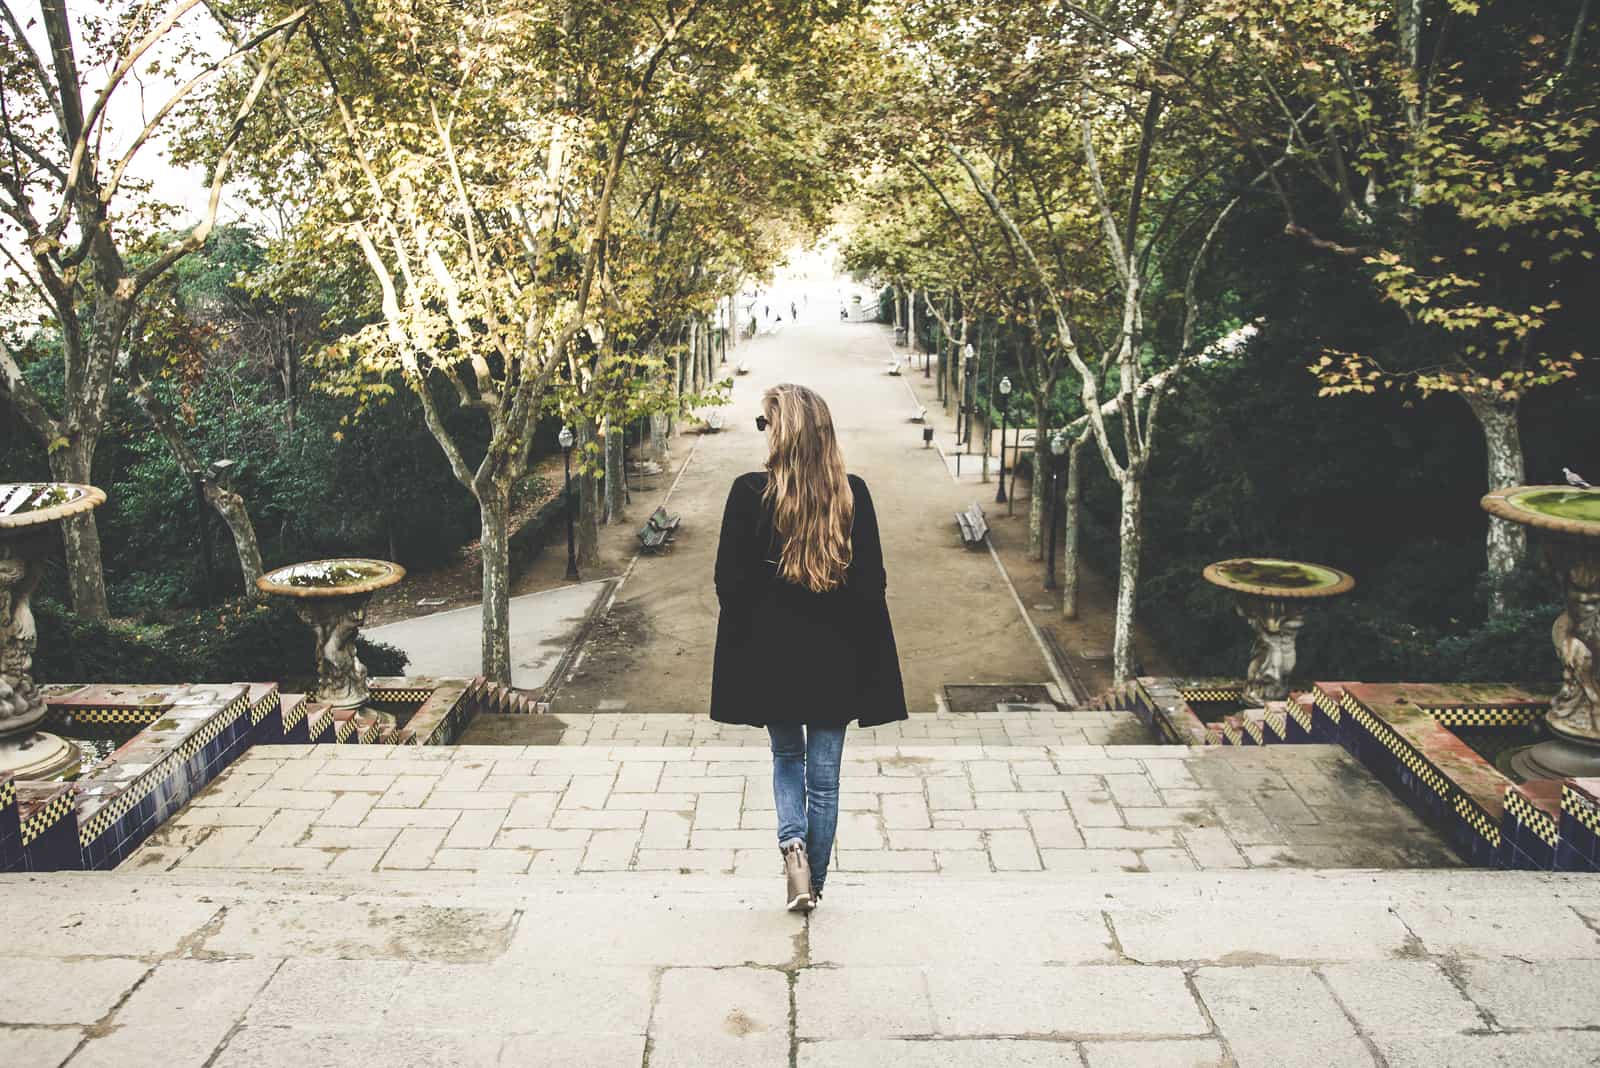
1502 504
1343 583
90 497
392 574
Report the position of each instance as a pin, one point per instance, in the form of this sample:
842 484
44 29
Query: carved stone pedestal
1568 521
1276 624
335 622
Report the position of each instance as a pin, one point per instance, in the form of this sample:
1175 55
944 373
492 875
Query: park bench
974 527
657 530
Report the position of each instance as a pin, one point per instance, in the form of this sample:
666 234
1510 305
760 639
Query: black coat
786 655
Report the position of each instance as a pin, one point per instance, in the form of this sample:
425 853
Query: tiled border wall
1401 733
189 735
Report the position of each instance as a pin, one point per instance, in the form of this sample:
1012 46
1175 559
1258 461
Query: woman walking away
804 643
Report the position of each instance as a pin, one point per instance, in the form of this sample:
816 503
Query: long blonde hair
812 505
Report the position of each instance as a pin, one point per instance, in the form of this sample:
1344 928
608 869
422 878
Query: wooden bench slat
974 527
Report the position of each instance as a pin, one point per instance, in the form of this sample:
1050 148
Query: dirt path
955 617
1084 641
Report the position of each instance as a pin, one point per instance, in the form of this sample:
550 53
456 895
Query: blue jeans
805 787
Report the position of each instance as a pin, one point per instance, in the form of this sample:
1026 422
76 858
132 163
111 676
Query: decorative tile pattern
1488 715
159 774
1213 692
47 816
1536 819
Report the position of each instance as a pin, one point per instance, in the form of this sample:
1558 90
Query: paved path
1267 969
544 627
955 618
938 810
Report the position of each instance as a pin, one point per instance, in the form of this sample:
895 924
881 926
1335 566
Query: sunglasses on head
762 422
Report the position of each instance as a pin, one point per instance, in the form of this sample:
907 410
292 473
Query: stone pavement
1254 968
1053 810
1029 727
545 628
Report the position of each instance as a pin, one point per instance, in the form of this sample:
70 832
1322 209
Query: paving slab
468 968
899 807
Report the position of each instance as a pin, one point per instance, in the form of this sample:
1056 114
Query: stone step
1247 968
1005 725
931 810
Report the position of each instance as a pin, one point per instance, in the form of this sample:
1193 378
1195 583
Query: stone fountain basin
338 577
26 504
1264 576
1562 509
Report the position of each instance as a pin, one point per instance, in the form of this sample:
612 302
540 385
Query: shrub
241 641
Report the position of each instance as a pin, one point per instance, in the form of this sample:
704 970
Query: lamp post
198 480
1005 410
565 438
1058 449
963 409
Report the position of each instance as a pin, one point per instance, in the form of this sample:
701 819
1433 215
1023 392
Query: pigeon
1575 479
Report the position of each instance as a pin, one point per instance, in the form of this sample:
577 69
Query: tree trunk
897 309
291 383
1507 542
613 479
231 507
80 536
659 434
1039 501
588 530
494 510
1130 537
1070 514
227 504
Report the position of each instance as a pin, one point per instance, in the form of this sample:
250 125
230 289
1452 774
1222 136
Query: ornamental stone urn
331 597
1568 522
1272 596
29 514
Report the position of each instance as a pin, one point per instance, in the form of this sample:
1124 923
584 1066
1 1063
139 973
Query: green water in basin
1582 505
1278 573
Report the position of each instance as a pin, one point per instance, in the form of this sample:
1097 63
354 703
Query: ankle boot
797 874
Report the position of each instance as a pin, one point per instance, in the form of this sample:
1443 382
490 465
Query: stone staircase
229 968
930 807
614 900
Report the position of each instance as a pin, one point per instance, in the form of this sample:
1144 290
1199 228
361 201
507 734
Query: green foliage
1255 464
240 641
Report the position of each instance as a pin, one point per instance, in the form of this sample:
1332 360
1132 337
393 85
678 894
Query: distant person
794 310
844 313
804 641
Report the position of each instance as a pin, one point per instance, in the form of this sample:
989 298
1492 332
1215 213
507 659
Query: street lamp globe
1005 386
565 437
1058 444
968 351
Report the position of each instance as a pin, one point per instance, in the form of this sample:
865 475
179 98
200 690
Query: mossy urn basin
1272 595
29 514
331 597
1567 520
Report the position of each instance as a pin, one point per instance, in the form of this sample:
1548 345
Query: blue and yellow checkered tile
1535 819
1488 715
1216 693
47 816
269 704
1580 824
399 695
